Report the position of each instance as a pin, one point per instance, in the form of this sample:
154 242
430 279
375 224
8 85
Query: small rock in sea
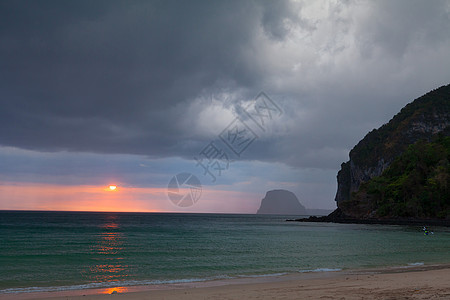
113 292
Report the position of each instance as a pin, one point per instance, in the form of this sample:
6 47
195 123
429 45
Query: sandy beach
424 282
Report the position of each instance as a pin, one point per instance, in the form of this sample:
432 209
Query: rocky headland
400 172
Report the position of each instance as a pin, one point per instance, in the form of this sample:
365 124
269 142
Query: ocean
56 251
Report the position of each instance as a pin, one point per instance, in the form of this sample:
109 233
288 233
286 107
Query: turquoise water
46 251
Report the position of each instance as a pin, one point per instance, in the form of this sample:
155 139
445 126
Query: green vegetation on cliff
416 184
401 170
415 121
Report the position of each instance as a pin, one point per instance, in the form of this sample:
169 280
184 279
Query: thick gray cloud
106 78
160 78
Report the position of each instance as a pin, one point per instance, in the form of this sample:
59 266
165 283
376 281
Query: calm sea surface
47 251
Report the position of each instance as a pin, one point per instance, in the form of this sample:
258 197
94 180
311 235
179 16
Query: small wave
320 270
101 285
410 265
263 275
416 264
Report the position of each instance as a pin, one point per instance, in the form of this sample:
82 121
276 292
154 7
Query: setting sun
112 187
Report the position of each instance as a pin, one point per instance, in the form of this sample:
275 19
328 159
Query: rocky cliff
423 120
281 202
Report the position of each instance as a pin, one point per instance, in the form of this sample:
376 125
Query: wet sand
423 282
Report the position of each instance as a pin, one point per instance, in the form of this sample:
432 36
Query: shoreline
338 217
410 279
406 222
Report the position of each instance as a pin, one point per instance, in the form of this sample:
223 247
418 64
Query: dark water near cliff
44 251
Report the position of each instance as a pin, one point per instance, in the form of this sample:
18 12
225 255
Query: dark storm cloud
160 78
102 76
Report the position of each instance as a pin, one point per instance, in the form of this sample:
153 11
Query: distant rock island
281 202
400 173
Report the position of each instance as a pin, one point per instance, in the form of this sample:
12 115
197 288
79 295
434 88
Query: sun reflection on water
119 289
107 251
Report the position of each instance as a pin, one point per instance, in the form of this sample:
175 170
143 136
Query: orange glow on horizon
100 198
31 196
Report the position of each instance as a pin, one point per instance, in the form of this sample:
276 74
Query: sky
245 96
